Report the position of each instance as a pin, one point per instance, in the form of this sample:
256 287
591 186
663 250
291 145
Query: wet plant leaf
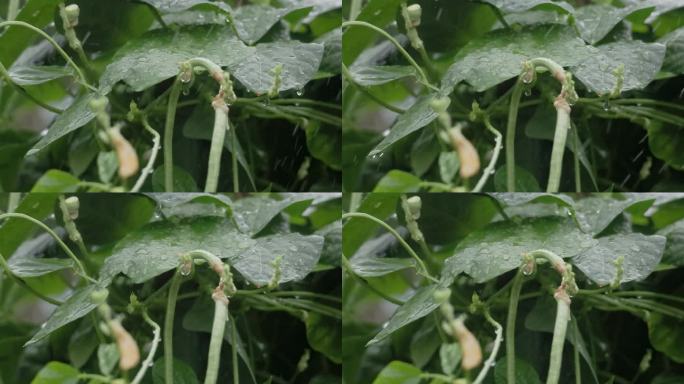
398 372
368 75
34 74
667 335
398 182
595 213
32 266
674 55
56 372
516 6
595 21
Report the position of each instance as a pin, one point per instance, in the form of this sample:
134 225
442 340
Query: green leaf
156 248
524 372
252 21
416 117
499 247
667 335
377 12
524 180
300 62
82 343
325 335
515 199
32 266
254 213
449 357
182 180
674 55
674 248
56 372
667 143
73 118
332 53
369 75
498 55
640 254
641 62
448 166
332 247
595 21
182 372
398 181
75 307
107 357
425 342
34 74
15 40
595 213
357 230
398 372
107 165
55 181
325 144
14 231
166 6
368 262
508 6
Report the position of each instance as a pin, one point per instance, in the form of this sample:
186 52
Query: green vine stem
234 352
150 356
234 159
510 134
168 134
69 15
57 47
422 77
217 141
168 326
495 351
81 271
565 98
412 18
422 269
576 354
156 143
510 326
489 170
217 330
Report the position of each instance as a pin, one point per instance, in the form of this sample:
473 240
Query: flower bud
414 12
128 158
440 104
414 205
99 296
467 154
470 347
442 295
128 348
72 205
72 12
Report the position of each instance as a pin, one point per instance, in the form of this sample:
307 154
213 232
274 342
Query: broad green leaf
377 12
324 334
515 199
332 53
425 342
166 6
156 56
449 357
75 307
595 213
55 181
192 204
524 180
300 62
499 247
368 75
595 21
32 266
524 372
641 62
398 181
448 166
34 74
674 248
661 7
14 40
107 165
398 372
498 55
674 55
252 21
182 180
107 357
667 335
56 372
640 255
82 343
318 7
253 213
332 247
14 231
416 117
357 230
73 118
379 266
421 304
509 6
156 248
325 144
182 372
667 143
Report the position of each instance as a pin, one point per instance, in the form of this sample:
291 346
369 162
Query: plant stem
168 134
217 330
234 159
168 326
559 139
576 146
423 77
20 282
81 270
23 92
495 351
510 134
217 142
578 368
510 326
12 9
422 268
560 329
234 355
156 143
150 356
57 47
495 156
